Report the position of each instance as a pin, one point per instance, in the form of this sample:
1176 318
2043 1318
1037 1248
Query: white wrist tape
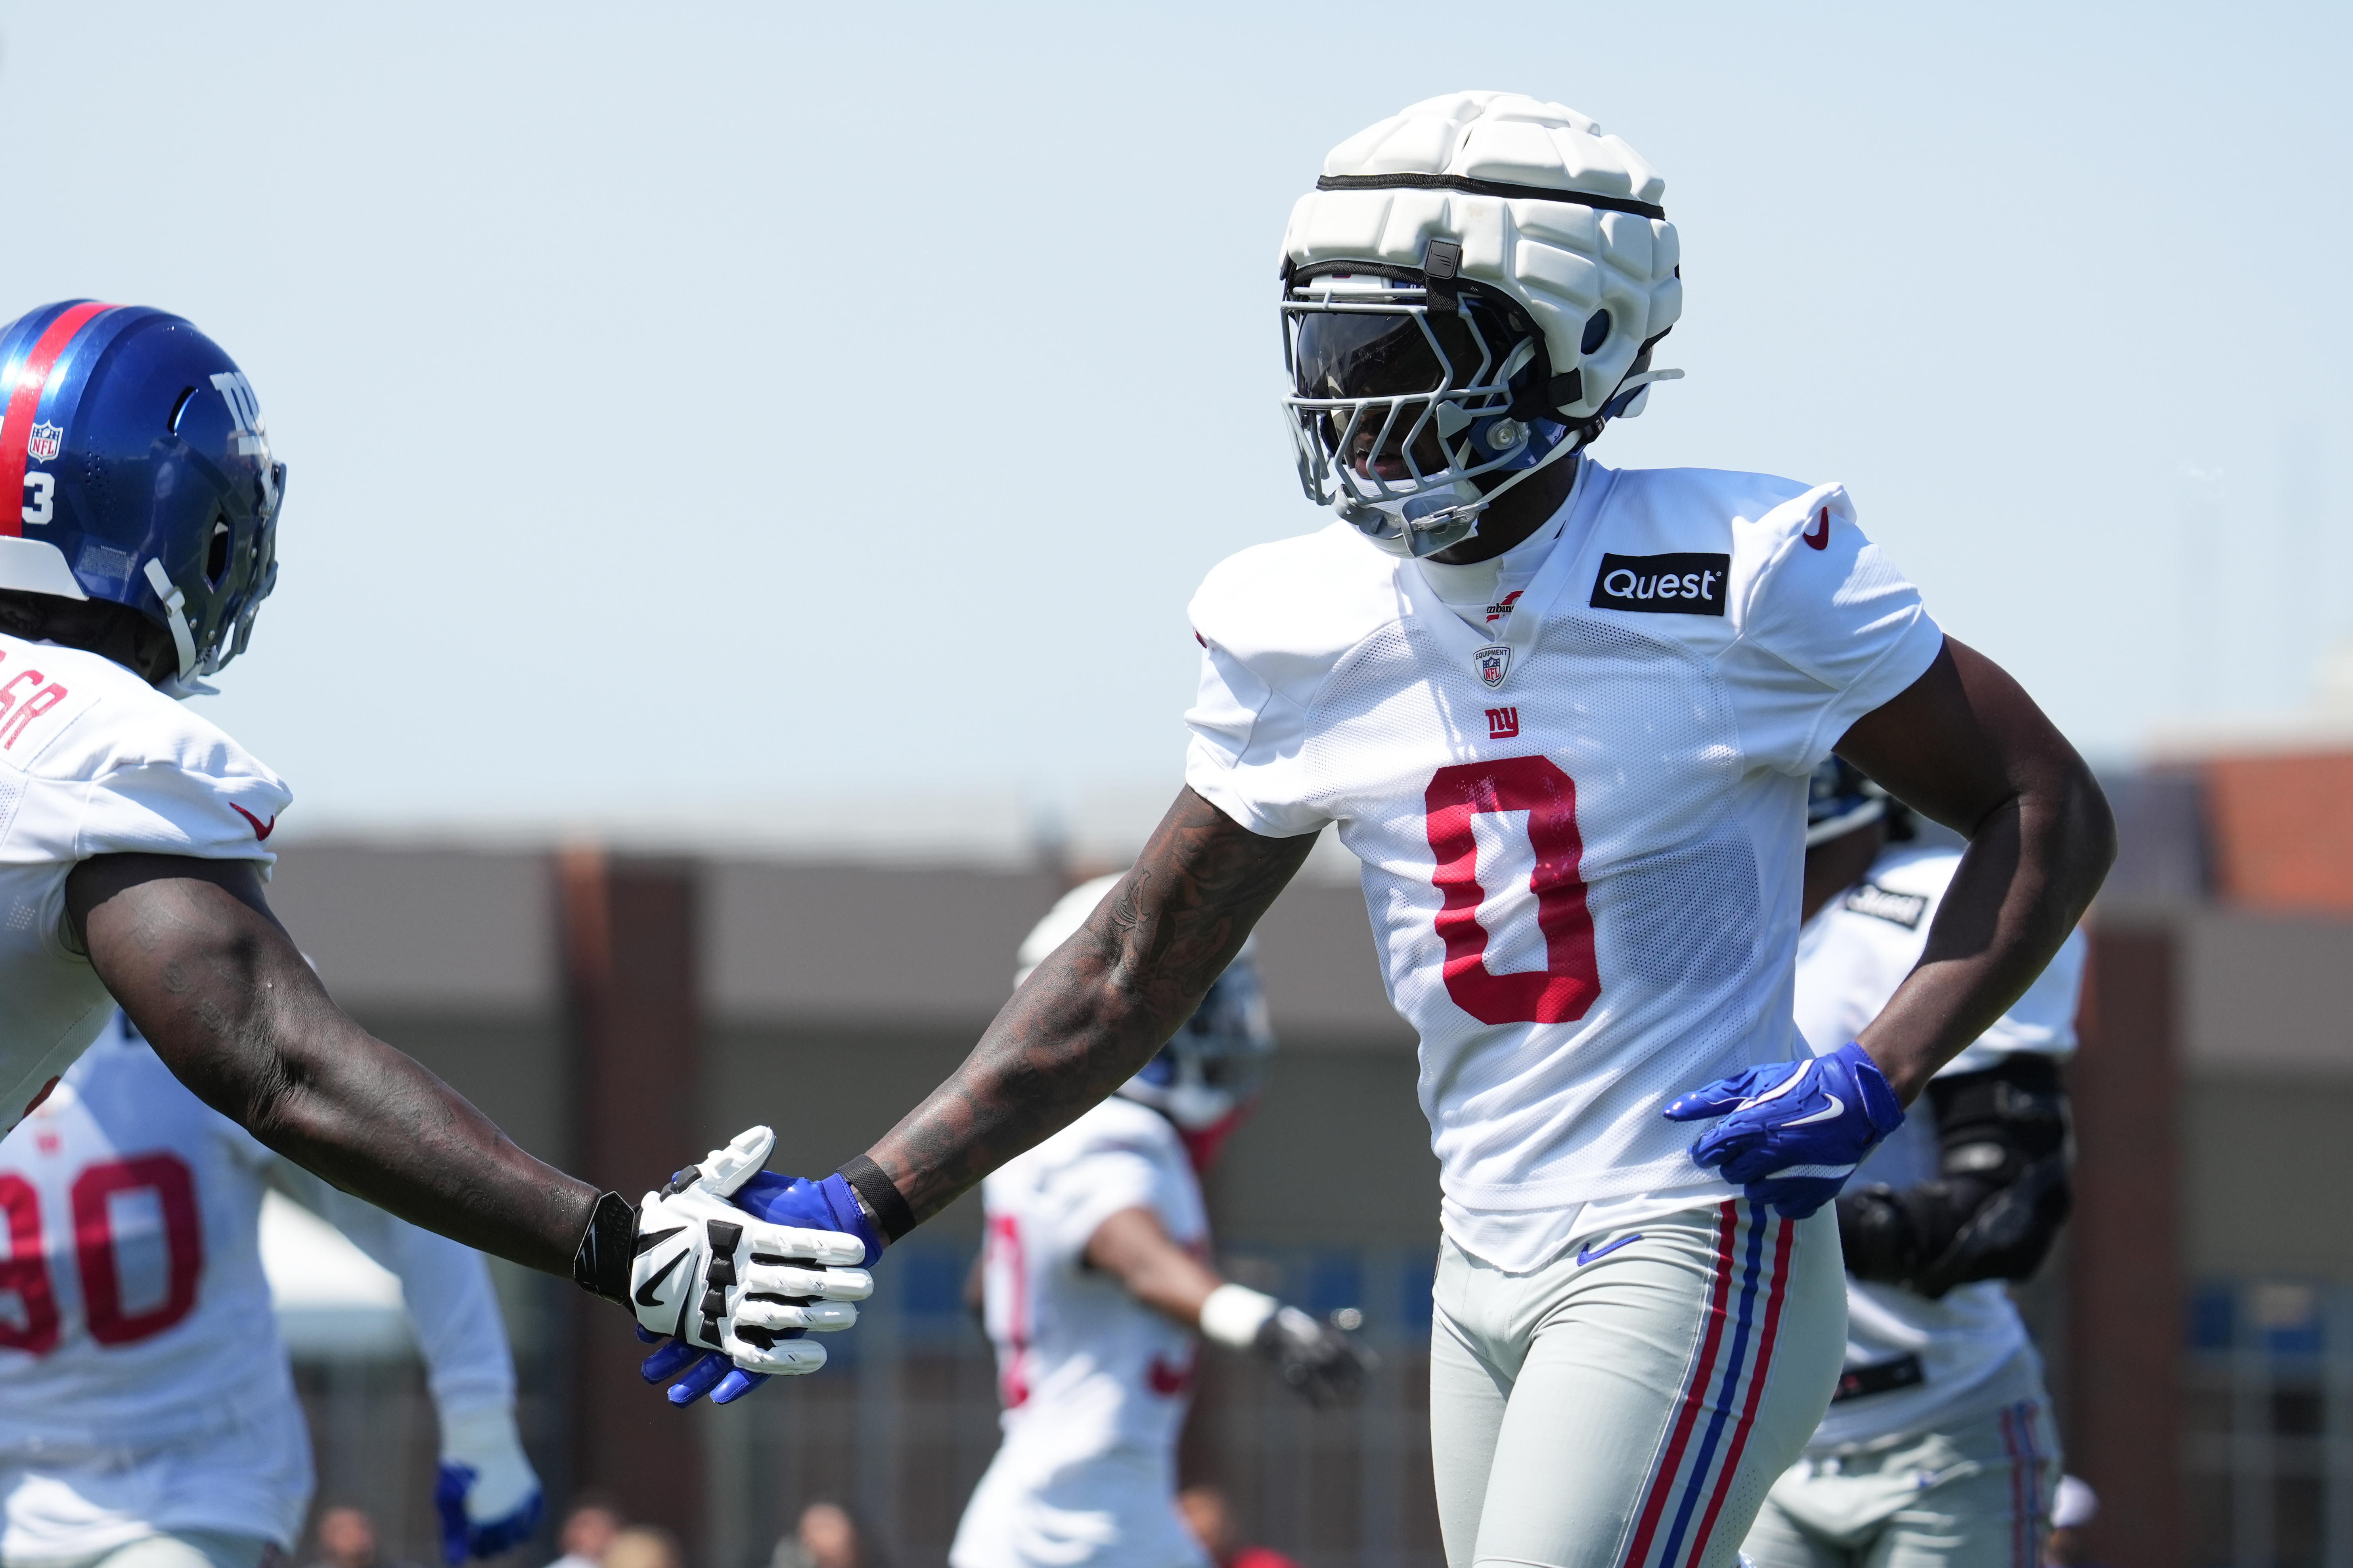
1234 1313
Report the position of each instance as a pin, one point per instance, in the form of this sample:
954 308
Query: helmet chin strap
1448 526
174 609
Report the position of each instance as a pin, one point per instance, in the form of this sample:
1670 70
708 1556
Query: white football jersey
143 1382
1094 1383
94 760
1582 838
1974 1354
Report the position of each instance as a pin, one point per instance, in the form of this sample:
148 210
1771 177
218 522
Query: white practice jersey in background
1972 1345
94 760
1582 838
142 1384
1094 1383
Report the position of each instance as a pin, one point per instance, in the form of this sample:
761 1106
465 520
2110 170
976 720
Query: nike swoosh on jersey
1818 536
1836 1109
259 831
645 1296
1586 1255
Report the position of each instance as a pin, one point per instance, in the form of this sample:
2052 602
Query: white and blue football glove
488 1494
824 1205
1792 1132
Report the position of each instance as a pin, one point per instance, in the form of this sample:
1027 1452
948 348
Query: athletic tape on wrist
600 1265
891 1211
1234 1314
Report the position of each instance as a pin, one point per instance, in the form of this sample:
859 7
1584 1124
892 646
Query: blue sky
776 416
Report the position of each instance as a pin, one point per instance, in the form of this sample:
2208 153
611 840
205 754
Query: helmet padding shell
1546 207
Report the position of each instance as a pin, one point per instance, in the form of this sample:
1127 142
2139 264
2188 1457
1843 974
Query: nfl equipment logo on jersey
1493 661
42 446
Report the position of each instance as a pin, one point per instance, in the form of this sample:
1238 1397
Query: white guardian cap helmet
1469 293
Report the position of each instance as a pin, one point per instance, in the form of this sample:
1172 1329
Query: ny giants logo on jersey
1685 582
1503 723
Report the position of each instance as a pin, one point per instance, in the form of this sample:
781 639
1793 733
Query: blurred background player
1938 1448
346 1539
1097 1290
1210 1517
825 1536
2074 1509
134 849
588 1530
147 1412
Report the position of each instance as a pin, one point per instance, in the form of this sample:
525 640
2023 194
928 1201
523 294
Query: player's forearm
374 1124
230 1007
1133 1248
1097 1009
2025 881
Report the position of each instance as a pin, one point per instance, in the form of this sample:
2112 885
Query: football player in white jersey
147 1415
1938 1450
1565 716
134 849
1095 1277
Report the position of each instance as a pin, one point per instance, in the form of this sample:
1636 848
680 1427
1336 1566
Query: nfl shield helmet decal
1492 662
42 446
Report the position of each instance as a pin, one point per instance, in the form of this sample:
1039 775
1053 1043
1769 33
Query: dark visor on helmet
1342 355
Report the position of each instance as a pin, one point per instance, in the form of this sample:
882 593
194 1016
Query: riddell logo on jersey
1687 583
1503 723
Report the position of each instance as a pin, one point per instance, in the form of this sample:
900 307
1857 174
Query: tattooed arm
1093 1014
190 949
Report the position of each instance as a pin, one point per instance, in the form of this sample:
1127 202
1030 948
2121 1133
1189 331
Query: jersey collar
1491 661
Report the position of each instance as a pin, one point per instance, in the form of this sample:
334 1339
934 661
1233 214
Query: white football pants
1629 1405
1975 1496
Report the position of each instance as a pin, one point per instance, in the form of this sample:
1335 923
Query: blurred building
622 1013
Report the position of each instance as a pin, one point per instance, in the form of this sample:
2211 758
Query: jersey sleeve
1840 629
1242 756
446 1285
1113 1173
168 808
1273 622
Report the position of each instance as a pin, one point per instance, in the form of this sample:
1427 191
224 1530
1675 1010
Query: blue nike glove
827 1205
1792 1132
487 1493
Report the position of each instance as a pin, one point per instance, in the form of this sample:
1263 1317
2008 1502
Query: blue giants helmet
142 467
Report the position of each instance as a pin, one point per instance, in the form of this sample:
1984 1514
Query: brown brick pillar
2123 1274
631 992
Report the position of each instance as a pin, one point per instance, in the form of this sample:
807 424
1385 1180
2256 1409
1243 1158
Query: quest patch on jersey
1901 908
1687 583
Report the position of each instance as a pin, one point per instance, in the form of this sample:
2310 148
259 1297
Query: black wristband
891 1211
601 1265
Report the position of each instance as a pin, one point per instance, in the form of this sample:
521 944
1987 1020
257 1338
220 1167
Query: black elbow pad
1999 1198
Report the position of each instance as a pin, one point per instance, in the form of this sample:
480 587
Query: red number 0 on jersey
25 1273
1561 991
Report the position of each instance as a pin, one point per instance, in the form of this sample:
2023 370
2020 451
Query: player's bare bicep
151 901
1188 903
1960 742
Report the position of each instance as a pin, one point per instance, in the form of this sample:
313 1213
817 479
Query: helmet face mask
1399 407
